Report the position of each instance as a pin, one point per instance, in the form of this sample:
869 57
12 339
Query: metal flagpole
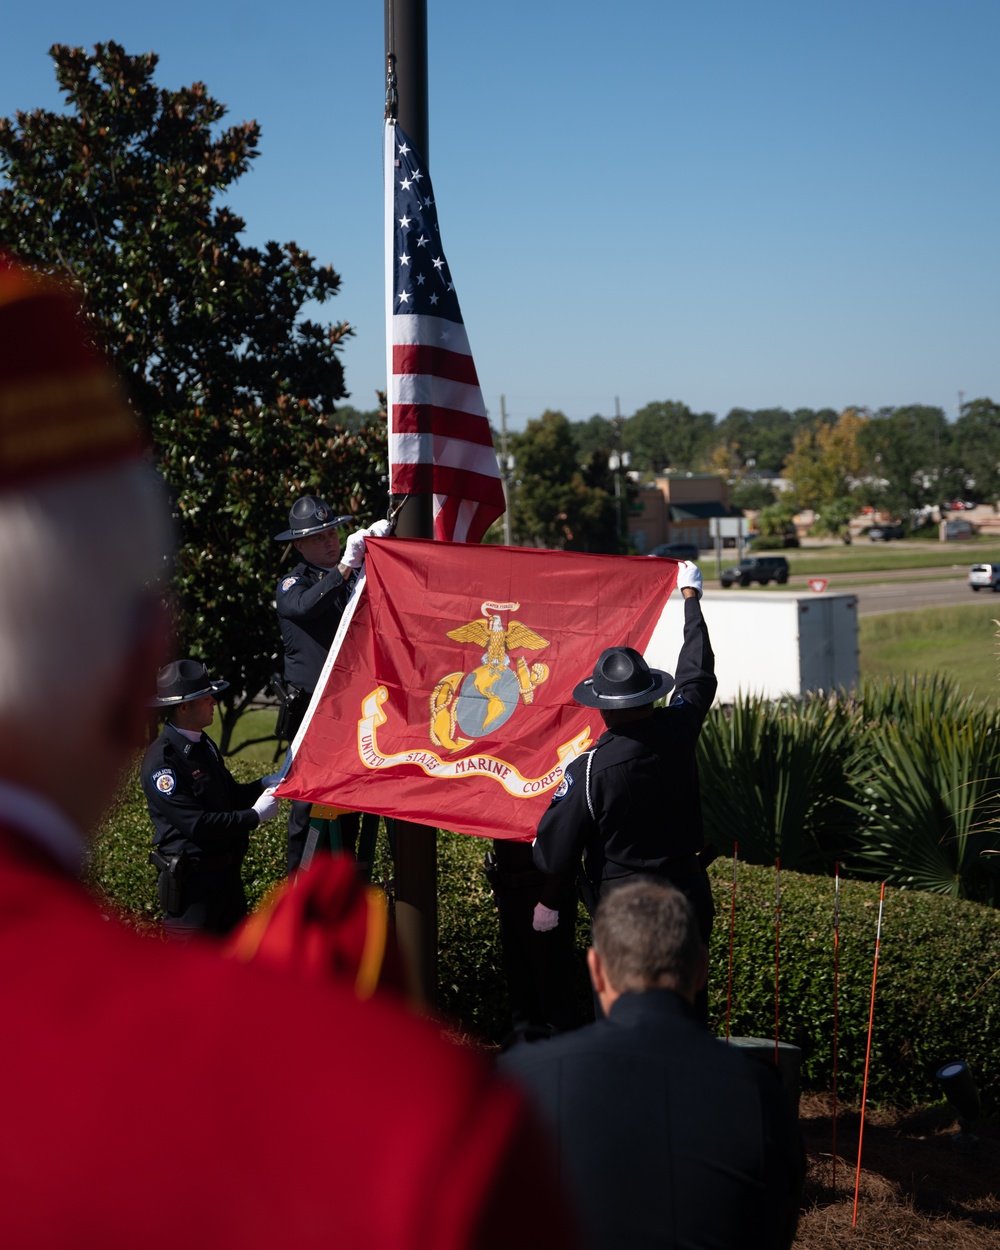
416 845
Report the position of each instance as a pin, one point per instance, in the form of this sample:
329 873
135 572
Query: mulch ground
918 1187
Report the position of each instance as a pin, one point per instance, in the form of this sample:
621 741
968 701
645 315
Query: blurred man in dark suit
666 1137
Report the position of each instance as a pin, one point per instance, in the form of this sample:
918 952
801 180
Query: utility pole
618 463
416 845
505 469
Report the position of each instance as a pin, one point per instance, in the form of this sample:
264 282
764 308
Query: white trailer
771 643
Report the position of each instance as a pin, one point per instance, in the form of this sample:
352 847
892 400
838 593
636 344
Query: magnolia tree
119 195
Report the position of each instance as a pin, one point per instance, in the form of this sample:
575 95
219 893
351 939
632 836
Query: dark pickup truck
761 569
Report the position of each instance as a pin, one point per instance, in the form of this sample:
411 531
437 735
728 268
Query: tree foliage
596 435
119 195
976 438
826 462
557 503
910 450
667 435
763 438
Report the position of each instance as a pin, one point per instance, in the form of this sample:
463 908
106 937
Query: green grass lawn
960 642
867 557
257 723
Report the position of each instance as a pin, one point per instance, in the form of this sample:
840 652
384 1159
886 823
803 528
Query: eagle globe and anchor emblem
466 706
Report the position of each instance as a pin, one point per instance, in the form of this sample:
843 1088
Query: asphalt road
898 591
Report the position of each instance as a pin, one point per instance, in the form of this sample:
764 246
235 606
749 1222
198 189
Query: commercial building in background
677 508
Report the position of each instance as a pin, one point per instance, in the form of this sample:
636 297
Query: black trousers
210 902
541 969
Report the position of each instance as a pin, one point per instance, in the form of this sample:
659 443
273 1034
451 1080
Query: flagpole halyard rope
391 94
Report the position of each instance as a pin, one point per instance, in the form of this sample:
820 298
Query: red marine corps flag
440 442
446 698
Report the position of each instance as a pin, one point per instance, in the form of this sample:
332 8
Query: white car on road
985 577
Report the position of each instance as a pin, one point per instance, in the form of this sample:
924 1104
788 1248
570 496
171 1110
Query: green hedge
935 1001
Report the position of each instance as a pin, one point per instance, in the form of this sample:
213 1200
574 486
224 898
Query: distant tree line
898 460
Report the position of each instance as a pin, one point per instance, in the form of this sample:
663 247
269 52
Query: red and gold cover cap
62 410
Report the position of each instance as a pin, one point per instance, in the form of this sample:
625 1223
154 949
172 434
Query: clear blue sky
731 202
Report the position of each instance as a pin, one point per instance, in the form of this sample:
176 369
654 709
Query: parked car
984 577
883 533
677 551
761 569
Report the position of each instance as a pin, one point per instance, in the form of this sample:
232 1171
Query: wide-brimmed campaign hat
309 515
622 679
182 681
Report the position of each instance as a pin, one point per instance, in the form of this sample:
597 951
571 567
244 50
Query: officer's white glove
381 529
689 574
354 551
266 806
544 918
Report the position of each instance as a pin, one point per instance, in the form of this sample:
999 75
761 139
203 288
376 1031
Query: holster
171 879
292 702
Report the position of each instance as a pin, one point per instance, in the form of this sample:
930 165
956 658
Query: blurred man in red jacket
146 1095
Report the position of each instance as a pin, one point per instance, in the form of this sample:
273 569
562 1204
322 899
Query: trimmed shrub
938 992
937 997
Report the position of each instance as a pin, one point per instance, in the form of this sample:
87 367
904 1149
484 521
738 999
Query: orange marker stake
777 948
836 983
732 933
868 1053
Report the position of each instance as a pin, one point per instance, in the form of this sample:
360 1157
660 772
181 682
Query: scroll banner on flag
446 698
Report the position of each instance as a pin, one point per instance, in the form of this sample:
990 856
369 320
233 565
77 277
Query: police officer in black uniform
310 601
201 815
632 805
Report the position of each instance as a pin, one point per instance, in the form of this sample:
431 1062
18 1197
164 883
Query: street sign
818 584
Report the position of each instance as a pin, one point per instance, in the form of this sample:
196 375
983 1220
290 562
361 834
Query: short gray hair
80 557
646 935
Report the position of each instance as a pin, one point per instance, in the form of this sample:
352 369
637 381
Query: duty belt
679 867
211 863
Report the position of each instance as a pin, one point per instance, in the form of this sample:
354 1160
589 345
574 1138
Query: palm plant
927 782
774 779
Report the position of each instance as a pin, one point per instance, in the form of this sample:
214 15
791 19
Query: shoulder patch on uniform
165 780
563 788
677 701
288 583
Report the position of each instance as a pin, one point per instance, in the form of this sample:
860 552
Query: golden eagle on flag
446 698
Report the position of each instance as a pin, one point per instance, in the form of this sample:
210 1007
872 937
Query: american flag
440 442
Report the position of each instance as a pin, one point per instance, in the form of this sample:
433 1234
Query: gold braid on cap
61 407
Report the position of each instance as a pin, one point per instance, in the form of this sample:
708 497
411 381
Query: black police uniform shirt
195 803
310 603
643 782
